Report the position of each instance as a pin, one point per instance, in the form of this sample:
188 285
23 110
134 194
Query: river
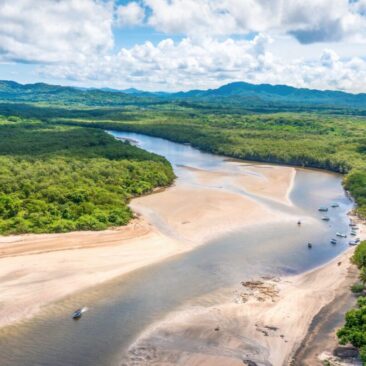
121 309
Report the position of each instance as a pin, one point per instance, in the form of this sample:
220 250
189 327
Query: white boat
323 209
79 312
341 235
352 243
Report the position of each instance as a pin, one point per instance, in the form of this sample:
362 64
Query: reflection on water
123 308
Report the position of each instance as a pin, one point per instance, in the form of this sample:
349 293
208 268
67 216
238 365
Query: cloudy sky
184 44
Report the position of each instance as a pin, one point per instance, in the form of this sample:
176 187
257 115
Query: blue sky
184 44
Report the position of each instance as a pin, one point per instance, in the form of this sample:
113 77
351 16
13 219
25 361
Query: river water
121 309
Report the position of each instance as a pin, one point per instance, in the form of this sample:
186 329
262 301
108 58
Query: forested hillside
59 178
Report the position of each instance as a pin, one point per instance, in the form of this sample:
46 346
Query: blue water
123 308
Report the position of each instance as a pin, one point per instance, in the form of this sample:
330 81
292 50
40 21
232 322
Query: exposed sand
39 269
265 321
321 338
273 182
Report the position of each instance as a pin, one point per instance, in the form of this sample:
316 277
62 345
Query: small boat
323 209
335 204
325 218
353 225
310 245
352 243
353 233
79 312
333 241
299 223
357 240
341 235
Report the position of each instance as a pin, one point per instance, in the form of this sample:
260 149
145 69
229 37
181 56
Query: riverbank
321 339
171 222
265 321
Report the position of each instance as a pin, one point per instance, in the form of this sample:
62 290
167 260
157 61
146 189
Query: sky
171 45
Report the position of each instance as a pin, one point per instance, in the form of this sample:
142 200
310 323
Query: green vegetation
336 143
59 178
357 288
354 331
229 121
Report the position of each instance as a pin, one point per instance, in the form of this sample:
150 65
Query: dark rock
345 352
249 363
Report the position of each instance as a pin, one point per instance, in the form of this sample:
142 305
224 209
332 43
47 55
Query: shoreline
313 349
172 221
263 323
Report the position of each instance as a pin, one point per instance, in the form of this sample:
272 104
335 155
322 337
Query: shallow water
122 309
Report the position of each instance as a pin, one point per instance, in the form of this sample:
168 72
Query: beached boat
333 241
353 233
341 235
323 209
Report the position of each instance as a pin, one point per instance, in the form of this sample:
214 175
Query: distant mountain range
238 92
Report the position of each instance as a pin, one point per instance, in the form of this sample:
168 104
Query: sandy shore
262 321
321 339
265 321
39 269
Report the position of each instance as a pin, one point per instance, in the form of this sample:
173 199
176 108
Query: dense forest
354 329
336 143
59 178
224 121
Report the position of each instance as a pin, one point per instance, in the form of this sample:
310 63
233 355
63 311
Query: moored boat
333 241
323 209
341 235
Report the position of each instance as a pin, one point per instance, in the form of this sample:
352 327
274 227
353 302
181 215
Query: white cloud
309 21
73 40
54 31
130 14
204 63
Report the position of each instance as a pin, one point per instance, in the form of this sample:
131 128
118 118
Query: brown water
122 309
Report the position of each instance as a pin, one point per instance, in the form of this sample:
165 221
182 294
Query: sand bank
265 320
39 269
